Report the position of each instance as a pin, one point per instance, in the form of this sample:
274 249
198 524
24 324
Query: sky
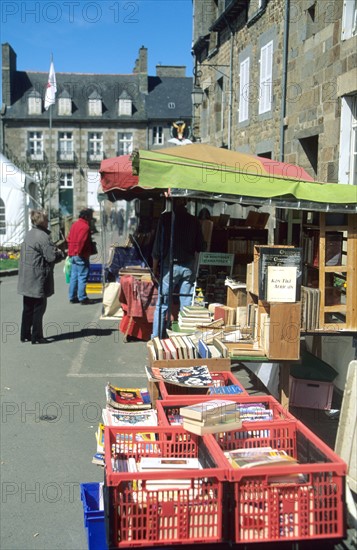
102 36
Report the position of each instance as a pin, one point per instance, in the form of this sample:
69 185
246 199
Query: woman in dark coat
35 282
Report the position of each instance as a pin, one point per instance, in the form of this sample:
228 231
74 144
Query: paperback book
263 456
210 408
115 417
127 398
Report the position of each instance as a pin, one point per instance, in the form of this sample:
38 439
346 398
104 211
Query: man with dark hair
80 247
187 240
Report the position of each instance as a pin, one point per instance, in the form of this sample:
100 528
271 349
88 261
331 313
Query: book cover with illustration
127 398
115 417
196 376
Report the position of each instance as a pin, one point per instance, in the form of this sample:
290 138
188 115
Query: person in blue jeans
80 247
187 241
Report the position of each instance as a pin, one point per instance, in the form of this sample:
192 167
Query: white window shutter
244 90
266 81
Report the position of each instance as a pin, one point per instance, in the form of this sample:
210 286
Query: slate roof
154 105
169 98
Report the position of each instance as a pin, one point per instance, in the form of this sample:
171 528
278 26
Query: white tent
17 196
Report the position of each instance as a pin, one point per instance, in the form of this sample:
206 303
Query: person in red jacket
80 248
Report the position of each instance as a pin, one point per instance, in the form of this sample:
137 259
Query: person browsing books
35 281
187 241
80 248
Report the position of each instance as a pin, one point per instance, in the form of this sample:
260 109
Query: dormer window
65 104
95 104
34 103
125 104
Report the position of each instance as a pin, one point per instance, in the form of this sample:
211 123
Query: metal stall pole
171 261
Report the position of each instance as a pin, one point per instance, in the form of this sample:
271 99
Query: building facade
279 79
94 117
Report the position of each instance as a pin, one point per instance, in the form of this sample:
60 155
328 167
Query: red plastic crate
223 378
266 511
168 410
144 516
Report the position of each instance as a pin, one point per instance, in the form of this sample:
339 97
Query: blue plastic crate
95 273
93 517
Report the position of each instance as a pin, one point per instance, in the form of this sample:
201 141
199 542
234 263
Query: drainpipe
230 105
284 79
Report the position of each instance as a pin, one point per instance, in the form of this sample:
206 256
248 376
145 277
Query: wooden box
236 297
282 341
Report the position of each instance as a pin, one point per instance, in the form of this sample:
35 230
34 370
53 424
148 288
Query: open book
196 376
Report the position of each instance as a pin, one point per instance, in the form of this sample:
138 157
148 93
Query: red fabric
79 239
117 172
138 300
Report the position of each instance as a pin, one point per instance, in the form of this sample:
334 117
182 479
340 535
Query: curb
8 272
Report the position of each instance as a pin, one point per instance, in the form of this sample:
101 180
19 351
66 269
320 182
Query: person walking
187 240
38 256
80 248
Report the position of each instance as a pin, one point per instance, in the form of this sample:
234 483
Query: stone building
279 79
95 116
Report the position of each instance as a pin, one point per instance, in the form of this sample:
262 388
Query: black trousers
32 316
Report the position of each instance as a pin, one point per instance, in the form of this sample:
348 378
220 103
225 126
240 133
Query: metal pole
50 169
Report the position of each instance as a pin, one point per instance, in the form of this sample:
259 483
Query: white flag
51 89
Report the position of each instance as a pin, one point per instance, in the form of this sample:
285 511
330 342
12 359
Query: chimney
175 71
8 73
141 68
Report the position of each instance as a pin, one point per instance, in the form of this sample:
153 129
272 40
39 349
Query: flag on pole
51 89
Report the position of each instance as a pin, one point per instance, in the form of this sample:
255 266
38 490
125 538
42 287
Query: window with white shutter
244 90
266 80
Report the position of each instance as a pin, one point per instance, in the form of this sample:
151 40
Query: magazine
127 398
263 456
115 417
185 376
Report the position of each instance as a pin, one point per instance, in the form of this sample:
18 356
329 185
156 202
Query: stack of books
124 407
214 416
191 317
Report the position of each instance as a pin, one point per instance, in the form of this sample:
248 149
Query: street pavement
52 396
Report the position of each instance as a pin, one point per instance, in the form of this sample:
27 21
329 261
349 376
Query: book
98 459
160 352
127 398
263 456
214 352
196 311
203 350
226 390
171 348
168 463
196 376
191 350
115 417
219 427
201 411
99 436
223 350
